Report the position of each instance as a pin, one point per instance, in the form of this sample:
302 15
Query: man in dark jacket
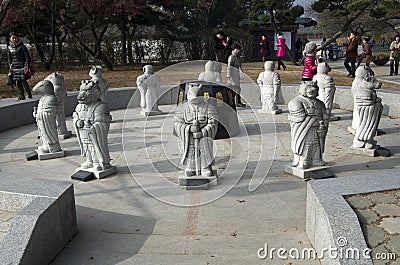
351 54
218 42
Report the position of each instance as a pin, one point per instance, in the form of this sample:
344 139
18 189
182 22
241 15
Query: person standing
218 42
366 53
234 72
351 55
281 50
18 57
310 67
395 55
265 51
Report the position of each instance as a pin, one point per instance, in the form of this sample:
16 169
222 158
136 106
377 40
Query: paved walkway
120 223
381 72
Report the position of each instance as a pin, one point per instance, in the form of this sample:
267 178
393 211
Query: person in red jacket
310 67
281 50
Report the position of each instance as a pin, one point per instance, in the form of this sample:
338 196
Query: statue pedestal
99 174
376 151
197 182
64 135
46 156
310 173
274 112
150 113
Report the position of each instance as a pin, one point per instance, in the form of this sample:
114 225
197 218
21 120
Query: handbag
10 81
396 54
28 70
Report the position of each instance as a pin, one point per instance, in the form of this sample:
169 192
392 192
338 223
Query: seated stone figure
360 74
148 85
196 124
270 86
61 93
45 115
92 120
96 73
369 110
212 72
308 124
326 86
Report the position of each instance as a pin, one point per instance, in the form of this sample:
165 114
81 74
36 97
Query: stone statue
61 93
308 124
360 74
326 86
196 124
148 85
96 73
92 120
45 115
212 72
369 110
270 86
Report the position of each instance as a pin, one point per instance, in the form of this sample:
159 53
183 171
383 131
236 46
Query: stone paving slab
119 223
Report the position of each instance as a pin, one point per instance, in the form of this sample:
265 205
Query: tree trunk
3 9
131 60
123 41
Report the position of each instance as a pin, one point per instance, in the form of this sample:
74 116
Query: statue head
148 69
56 78
362 71
308 89
310 47
89 92
193 94
269 66
323 68
96 71
44 87
369 82
209 67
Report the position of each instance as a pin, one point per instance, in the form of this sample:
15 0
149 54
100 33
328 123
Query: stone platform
121 223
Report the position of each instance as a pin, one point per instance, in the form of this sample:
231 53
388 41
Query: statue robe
206 114
46 120
92 136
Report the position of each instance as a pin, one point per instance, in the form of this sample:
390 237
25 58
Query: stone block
377 151
273 112
391 225
45 219
32 156
46 156
310 173
150 113
197 182
64 136
100 174
83 175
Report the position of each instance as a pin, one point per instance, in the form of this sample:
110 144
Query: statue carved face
89 92
96 71
56 78
193 94
309 89
44 87
370 82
